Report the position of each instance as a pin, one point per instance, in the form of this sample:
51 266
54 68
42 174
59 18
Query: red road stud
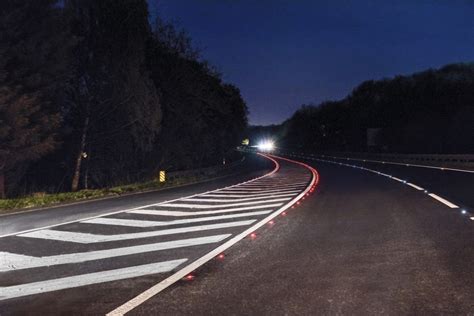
221 256
271 222
283 214
189 277
253 235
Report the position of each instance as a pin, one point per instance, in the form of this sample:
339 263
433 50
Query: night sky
282 54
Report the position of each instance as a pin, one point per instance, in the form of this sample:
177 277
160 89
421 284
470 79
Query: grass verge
38 200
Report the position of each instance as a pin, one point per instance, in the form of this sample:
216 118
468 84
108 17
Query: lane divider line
415 186
434 196
402 164
444 201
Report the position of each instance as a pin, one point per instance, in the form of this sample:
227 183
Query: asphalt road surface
361 243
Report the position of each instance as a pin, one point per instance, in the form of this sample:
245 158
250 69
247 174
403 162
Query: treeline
427 112
93 95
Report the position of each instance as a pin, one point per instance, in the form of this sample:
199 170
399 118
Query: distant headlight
266 146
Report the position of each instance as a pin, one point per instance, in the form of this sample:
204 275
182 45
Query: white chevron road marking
182 213
204 206
13 262
226 194
87 279
145 223
85 238
237 200
256 190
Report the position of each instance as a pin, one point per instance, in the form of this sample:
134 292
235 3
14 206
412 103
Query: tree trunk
86 173
2 185
77 169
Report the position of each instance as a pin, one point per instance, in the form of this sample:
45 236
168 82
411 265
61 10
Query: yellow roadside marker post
162 176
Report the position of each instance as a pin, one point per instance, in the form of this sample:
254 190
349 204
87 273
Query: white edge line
144 206
157 288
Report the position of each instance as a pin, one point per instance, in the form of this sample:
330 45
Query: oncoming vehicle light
266 145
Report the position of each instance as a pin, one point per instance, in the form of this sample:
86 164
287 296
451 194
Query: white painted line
272 186
415 186
86 238
225 194
237 200
208 206
408 165
141 298
434 196
397 179
144 223
243 189
182 213
15 291
14 262
236 191
445 202
161 212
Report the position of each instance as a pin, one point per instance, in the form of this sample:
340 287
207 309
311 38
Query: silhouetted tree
114 106
33 64
427 112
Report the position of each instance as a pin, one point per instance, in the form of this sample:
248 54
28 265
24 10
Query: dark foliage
32 70
92 96
427 112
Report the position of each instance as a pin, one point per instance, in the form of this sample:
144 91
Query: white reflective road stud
13 262
145 223
14 291
85 238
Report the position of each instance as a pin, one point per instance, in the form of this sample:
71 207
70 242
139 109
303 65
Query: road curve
114 262
362 245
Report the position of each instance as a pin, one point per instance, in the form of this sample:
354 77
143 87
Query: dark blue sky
282 54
